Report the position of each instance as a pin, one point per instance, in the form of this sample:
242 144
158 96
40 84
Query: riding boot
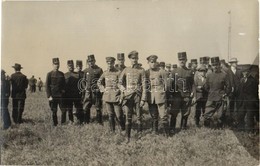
128 131
99 117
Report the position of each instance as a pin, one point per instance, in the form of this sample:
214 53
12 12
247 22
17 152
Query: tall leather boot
99 117
155 126
166 129
63 117
139 128
70 115
122 123
86 116
112 123
128 131
54 119
172 125
184 121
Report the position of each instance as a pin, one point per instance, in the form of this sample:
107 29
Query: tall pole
229 36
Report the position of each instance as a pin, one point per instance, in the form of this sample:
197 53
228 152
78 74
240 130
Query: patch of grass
36 142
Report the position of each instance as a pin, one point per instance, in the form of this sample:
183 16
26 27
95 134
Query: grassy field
37 142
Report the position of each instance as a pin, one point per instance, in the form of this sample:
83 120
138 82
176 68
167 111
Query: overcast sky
35 32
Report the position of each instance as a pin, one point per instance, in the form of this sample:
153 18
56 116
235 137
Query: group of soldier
33 83
123 91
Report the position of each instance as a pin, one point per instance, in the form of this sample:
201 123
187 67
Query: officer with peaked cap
156 95
81 87
72 95
121 62
91 94
55 89
134 94
200 94
162 65
108 84
182 92
5 94
19 84
218 87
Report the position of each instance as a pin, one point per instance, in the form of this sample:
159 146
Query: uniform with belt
133 92
19 84
108 84
55 89
156 95
217 85
182 84
91 94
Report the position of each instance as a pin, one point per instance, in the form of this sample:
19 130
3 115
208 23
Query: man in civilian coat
235 76
248 102
55 89
19 84
156 95
5 94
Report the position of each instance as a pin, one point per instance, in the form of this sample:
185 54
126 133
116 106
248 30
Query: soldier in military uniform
168 68
162 65
108 84
174 66
40 84
55 89
134 95
72 93
80 74
19 84
121 62
5 94
156 94
200 94
194 65
182 95
91 94
32 84
217 85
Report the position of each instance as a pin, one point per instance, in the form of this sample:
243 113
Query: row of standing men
124 91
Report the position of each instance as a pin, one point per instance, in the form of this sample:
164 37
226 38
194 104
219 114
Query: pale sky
35 32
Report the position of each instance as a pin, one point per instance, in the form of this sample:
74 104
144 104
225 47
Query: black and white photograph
128 82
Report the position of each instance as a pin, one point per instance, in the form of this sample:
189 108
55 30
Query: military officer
218 87
19 84
182 95
108 84
121 62
80 73
72 93
168 67
162 65
91 94
55 89
156 94
194 65
174 66
200 94
133 92
5 94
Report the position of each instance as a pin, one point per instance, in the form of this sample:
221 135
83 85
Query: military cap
120 56
110 59
55 61
79 63
167 65
152 58
233 60
17 66
133 54
222 61
91 57
203 60
202 67
70 63
162 64
194 61
215 60
182 55
174 66
2 71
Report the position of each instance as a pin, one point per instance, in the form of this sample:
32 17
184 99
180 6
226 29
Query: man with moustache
108 85
182 83
55 89
134 95
92 94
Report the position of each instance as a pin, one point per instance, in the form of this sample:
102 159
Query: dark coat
55 84
248 91
19 84
71 88
235 80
